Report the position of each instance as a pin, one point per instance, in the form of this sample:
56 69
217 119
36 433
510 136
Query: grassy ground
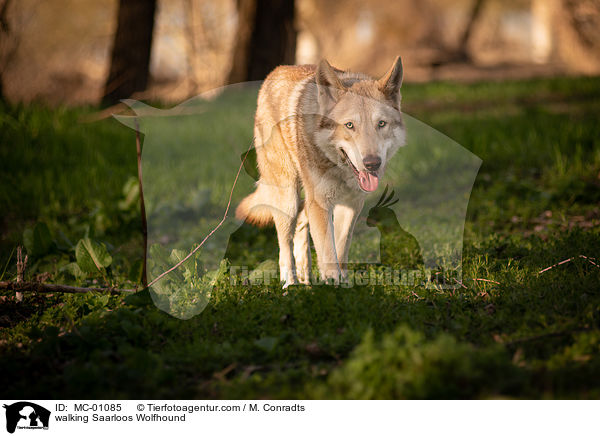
518 333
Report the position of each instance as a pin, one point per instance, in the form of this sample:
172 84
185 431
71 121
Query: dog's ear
329 85
391 81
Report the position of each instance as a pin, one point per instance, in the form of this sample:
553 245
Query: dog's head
361 119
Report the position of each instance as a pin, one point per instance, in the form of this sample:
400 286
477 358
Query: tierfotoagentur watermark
199 160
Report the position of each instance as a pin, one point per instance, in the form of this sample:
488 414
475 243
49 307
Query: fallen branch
45 288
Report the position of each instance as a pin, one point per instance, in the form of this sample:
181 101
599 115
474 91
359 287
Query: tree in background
266 38
461 53
130 60
8 46
584 16
474 16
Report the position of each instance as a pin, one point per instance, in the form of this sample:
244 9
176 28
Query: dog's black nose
372 163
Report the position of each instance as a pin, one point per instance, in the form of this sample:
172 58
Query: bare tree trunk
7 53
584 17
576 32
542 14
191 49
266 38
130 62
239 65
461 52
463 49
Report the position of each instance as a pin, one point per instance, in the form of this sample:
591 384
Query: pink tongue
368 181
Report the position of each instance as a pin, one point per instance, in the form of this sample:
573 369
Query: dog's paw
303 276
289 283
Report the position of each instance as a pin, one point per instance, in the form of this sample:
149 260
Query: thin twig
460 283
487 280
562 262
21 266
191 253
138 147
589 259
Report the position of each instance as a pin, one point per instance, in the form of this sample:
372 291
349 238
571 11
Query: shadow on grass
529 336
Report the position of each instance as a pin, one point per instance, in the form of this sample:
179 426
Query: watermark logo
408 233
25 415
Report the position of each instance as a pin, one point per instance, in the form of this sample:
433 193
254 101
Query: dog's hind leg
284 208
302 248
279 191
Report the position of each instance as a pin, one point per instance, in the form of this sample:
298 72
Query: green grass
518 334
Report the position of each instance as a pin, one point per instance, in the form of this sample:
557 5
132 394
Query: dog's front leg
302 255
344 218
320 222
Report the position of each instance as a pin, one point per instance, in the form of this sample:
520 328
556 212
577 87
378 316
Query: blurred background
92 51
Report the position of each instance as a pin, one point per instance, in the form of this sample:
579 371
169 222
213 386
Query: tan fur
250 210
303 143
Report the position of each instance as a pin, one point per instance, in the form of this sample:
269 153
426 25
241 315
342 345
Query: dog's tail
255 209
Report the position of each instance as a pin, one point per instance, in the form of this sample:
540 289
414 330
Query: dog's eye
350 125
381 123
